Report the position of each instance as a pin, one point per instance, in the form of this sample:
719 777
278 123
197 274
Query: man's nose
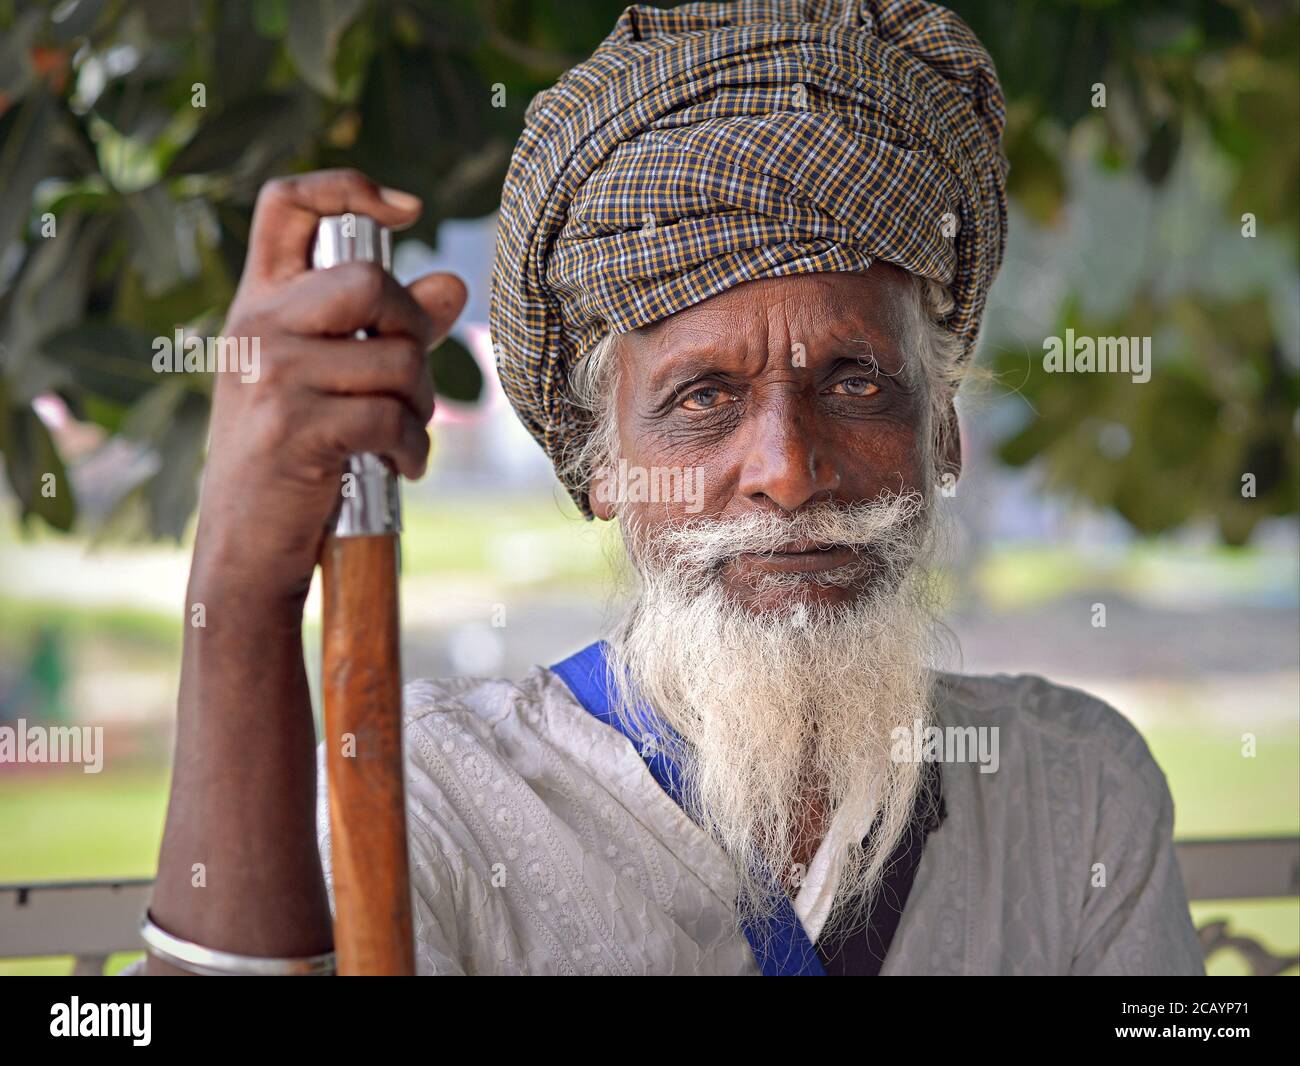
788 462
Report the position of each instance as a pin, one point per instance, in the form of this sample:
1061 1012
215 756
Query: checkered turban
718 143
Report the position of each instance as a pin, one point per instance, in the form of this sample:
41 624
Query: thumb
442 296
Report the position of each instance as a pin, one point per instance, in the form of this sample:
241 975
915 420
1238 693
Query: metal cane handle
371 502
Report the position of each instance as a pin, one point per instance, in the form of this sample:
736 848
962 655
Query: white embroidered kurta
541 844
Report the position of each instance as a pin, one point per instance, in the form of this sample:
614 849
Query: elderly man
743 255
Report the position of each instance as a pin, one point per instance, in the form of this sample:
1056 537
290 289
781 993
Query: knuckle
275 190
380 424
276 420
390 420
254 320
351 176
414 365
268 327
369 281
274 369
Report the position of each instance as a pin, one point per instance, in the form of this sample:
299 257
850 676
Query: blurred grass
67 825
1217 792
1016 575
530 543
92 622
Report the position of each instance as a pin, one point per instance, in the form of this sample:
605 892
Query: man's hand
242 807
278 444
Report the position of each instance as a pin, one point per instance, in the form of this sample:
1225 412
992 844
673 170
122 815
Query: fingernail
403 200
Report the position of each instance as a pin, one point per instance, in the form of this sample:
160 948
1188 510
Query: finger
380 366
442 297
378 424
350 297
289 209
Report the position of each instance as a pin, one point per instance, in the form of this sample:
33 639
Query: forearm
239 868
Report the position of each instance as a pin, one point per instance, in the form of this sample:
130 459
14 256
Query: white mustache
884 528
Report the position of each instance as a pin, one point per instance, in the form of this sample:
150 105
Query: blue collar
780 945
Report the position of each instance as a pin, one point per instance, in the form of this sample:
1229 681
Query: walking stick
362 685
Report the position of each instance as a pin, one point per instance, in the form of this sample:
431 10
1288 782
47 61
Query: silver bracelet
197 959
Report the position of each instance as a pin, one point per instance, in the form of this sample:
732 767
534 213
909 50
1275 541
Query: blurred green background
133 139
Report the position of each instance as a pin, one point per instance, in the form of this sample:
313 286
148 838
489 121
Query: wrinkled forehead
809 315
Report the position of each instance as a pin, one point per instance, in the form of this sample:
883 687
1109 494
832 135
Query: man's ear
601 493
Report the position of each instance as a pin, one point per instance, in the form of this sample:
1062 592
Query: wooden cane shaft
362 690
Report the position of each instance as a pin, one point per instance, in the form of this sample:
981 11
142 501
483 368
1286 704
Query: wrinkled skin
718 387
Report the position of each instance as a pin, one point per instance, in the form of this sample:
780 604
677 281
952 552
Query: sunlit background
1126 219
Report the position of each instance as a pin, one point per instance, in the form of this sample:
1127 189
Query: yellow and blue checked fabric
715 143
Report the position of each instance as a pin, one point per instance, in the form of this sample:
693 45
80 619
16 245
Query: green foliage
127 207
1198 95
150 199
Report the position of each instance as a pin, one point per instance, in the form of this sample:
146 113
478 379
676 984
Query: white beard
777 707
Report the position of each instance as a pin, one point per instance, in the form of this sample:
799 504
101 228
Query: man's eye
703 399
857 387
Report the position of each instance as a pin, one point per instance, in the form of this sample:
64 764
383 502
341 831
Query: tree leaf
271 17
315 27
149 417
173 492
456 373
32 465
51 294
152 247
224 138
16 73
107 358
26 147
1161 151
